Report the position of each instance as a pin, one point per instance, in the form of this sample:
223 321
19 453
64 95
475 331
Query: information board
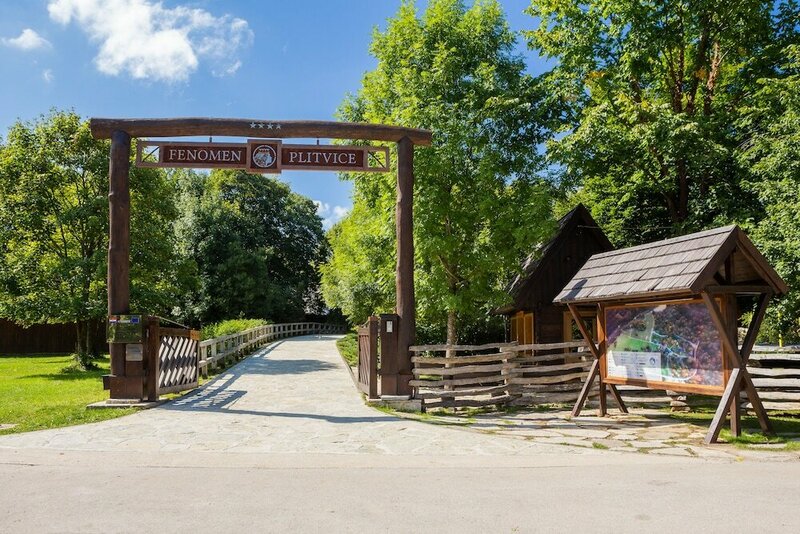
671 346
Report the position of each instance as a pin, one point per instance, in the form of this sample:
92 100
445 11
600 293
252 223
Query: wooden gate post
121 385
389 336
152 357
405 266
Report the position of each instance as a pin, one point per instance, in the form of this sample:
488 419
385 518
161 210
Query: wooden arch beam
197 126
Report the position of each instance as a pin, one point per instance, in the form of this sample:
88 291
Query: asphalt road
282 443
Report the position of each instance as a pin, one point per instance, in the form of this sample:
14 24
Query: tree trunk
452 334
82 356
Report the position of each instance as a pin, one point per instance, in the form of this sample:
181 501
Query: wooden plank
475 358
469 403
547 379
779 395
553 346
460 348
551 398
779 372
549 388
776 382
544 369
474 392
102 128
586 356
738 289
466 369
774 356
453 382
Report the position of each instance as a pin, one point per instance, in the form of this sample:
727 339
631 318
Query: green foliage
348 348
54 228
479 207
256 244
231 326
773 155
650 95
38 392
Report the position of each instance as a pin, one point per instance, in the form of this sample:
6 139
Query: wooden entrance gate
125 384
172 359
368 358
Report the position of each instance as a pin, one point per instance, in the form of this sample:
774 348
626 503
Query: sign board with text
262 156
672 346
191 155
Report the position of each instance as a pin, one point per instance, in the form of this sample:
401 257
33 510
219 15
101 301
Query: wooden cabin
533 316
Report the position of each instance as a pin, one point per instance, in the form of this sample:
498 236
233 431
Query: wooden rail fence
451 376
776 376
234 346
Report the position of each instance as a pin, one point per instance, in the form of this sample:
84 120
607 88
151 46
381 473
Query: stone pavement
296 396
293 396
642 431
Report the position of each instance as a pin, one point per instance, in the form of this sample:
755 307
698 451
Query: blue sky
268 59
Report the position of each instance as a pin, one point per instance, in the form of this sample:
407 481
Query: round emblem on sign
264 156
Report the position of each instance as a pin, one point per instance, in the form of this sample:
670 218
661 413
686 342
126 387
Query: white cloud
47 75
27 40
330 216
149 41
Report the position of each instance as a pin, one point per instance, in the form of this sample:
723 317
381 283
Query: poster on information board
672 346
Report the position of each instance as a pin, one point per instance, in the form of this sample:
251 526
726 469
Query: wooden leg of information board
617 398
739 376
594 372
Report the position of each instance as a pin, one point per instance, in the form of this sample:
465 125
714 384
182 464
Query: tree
478 206
257 246
772 152
650 96
54 229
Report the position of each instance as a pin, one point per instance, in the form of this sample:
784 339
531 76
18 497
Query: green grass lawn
786 427
348 348
39 392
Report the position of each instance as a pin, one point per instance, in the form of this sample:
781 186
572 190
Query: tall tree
54 229
478 207
772 152
257 246
650 94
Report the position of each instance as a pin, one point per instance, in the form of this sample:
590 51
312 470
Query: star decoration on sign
261 125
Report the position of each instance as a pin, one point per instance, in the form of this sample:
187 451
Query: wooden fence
234 346
776 376
45 338
525 375
368 358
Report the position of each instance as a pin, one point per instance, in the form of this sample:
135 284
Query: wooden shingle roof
547 269
679 266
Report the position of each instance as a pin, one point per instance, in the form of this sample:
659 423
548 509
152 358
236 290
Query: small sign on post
124 329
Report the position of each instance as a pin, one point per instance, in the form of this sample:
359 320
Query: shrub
231 326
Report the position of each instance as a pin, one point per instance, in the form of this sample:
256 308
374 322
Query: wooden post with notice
389 336
405 266
126 380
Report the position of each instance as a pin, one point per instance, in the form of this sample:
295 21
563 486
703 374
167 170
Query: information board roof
678 266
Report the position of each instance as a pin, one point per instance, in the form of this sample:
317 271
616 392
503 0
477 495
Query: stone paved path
294 396
642 431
